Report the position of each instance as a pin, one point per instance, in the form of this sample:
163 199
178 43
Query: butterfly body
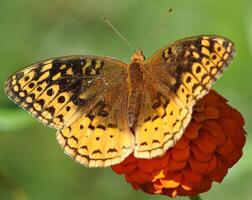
105 109
135 80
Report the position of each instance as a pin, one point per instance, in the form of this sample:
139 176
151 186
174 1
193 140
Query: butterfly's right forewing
180 75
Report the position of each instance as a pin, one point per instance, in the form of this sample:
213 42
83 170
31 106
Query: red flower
211 144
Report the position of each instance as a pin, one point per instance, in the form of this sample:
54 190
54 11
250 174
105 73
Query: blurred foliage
32 165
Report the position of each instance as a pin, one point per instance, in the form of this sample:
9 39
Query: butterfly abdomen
135 87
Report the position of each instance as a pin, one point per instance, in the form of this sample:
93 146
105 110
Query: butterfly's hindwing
101 137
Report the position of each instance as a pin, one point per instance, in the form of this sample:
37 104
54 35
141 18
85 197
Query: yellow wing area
101 137
96 147
177 76
81 96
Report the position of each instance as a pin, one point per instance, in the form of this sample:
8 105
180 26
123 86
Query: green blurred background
32 165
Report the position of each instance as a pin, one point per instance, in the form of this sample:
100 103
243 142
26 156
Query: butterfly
105 109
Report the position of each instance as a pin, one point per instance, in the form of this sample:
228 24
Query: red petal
182 143
174 165
147 177
239 138
160 162
220 172
214 100
130 159
236 155
119 168
226 149
191 131
191 176
144 164
129 168
228 126
211 113
212 165
215 130
198 117
135 177
180 155
199 155
148 165
198 167
236 115
204 144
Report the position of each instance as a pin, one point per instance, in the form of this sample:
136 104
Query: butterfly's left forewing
53 90
180 74
83 97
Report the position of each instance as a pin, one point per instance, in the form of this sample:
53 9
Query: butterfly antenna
158 25
118 33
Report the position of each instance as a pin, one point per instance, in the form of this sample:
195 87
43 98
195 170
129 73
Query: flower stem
197 197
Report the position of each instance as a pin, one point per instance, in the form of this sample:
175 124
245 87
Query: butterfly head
138 57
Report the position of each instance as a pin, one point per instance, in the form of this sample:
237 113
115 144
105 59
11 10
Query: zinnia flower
211 144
